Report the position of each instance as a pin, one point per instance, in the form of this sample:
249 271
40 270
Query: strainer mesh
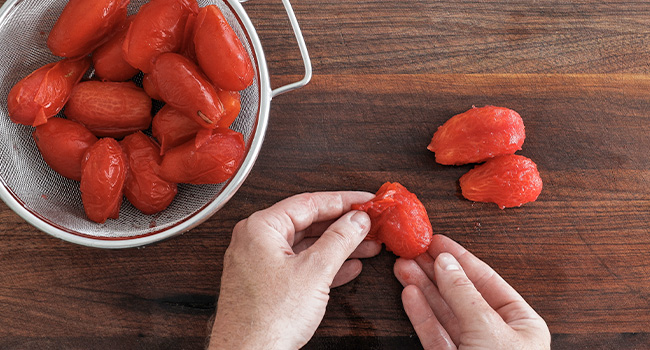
53 198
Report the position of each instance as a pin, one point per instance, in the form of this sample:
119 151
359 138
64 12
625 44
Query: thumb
464 300
339 241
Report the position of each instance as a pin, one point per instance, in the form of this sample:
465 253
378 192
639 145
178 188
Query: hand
456 301
280 266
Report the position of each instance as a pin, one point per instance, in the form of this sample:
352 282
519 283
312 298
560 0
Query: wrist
250 335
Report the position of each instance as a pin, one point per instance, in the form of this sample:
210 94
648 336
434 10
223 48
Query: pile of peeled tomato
187 57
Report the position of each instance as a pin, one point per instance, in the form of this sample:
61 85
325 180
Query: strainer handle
303 53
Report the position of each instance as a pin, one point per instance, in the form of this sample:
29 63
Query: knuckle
461 282
339 238
237 232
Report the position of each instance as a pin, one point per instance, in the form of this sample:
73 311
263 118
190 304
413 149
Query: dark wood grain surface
386 75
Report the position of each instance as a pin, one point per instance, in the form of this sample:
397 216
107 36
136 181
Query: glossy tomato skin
158 27
43 93
84 25
143 187
231 101
508 181
103 173
62 144
215 161
182 85
108 60
478 135
110 109
187 48
219 52
172 128
150 88
399 220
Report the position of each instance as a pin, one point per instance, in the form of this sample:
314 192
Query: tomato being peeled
84 25
43 93
158 27
219 52
214 161
108 60
113 109
399 220
143 187
103 172
62 144
182 85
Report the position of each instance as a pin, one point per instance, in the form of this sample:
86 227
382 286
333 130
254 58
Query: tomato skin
103 173
231 101
84 25
113 109
183 86
172 128
219 52
43 93
150 88
143 187
158 27
399 220
108 60
62 144
215 161
187 48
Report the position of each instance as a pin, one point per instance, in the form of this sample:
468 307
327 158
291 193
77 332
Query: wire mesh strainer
51 202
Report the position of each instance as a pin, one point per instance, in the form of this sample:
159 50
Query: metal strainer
51 202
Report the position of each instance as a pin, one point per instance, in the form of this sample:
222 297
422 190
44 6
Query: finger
299 212
464 300
349 271
317 228
338 242
408 272
432 334
366 249
427 263
510 305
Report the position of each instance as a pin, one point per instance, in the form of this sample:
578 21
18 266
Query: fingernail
361 219
448 262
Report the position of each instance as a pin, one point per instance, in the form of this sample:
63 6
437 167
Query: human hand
456 301
280 266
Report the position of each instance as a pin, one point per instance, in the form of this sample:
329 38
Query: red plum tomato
143 187
231 101
215 161
182 85
172 128
62 144
108 60
219 52
113 109
399 220
84 25
158 27
43 93
103 173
